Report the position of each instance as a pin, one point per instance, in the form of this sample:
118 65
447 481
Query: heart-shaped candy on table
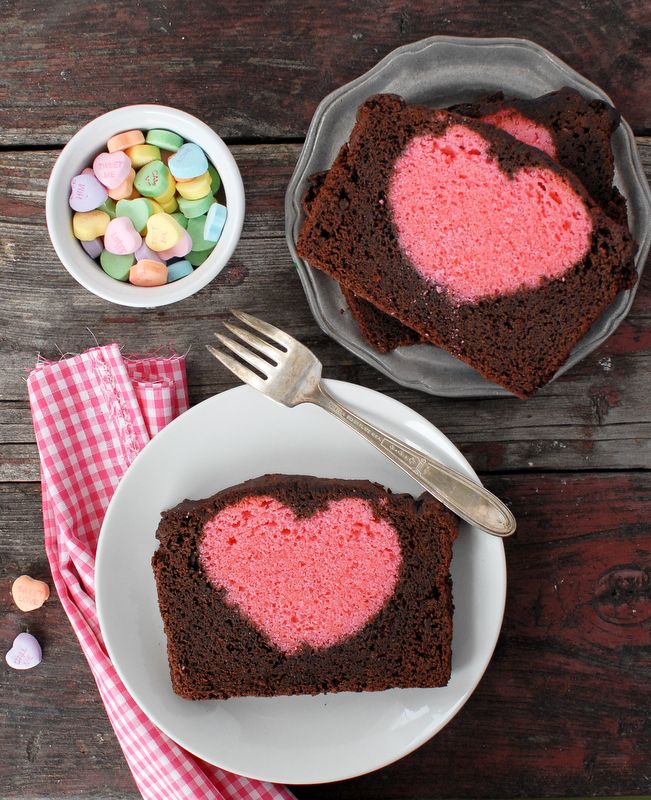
28 593
188 162
86 193
121 237
302 580
25 653
472 229
138 211
111 169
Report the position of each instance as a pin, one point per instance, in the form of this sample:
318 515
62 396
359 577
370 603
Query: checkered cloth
92 415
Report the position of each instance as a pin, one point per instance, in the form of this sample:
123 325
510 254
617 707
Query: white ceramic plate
225 440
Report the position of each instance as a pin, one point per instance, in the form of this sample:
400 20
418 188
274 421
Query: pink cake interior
475 231
311 581
523 129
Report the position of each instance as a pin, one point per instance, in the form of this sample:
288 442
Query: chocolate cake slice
483 245
290 584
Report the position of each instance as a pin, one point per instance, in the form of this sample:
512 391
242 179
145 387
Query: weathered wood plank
259 69
562 710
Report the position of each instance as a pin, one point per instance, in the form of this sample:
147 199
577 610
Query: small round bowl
80 152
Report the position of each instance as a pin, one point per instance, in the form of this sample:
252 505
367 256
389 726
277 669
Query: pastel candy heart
148 273
87 225
195 188
169 206
215 221
25 653
181 219
141 154
94 247
195 208
178 270
123 140
180 249
108 206
124 189
166 140
153 180
86 193
215 180
196 227
470 228
29 593
189 161
163 232
144 253
121 237
138 211
302 580
197 257
115 266
111 169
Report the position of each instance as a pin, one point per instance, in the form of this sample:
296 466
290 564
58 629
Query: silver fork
294 377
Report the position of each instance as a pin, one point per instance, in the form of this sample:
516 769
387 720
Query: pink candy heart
180 249
302 580
121 238
25 653
471 228
111 169
86 193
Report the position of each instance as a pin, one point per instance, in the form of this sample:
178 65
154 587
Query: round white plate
227 439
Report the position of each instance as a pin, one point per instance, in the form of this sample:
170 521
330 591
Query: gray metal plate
440 71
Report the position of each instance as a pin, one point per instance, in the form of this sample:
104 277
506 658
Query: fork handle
460 494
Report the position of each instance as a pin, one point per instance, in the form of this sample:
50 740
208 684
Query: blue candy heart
215 221
188 162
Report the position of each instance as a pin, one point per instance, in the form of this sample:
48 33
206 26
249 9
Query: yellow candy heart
163 232
170 206
195 188
141 154
153 205
169 194
88 225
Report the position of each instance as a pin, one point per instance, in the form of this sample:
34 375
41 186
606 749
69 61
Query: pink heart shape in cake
302 580
475 231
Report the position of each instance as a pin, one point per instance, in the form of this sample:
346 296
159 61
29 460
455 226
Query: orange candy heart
28 593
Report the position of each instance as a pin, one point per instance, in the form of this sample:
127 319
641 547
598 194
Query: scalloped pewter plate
441 71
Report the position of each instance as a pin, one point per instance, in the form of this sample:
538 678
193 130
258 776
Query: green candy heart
117 266
196 227
215 180
108 207
195 208
138 211
182 220
153 179
166 140
197 259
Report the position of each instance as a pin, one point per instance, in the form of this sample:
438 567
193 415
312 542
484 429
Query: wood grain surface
563 710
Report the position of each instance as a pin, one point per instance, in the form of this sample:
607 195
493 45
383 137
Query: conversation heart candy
112 169
108 206
215 221
195 228
138 211
116 266
153 180
189 161
25 652
166 140
141 154
169 206
181 219
121 238
29 593
144 253
195 188
148 273
196 258
180 249
215 180
163 232
195 208
94 247
125 188
87 225
123 140
178 270
86 193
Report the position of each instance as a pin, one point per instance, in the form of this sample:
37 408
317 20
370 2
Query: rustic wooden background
564 707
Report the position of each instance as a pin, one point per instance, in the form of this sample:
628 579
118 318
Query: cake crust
214 651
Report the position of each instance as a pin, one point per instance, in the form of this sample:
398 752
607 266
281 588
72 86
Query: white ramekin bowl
80 152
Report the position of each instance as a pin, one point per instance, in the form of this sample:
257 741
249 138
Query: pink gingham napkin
92 415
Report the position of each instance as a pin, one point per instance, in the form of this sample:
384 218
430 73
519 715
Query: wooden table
564 707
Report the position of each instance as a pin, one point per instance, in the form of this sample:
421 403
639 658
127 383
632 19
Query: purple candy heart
145 253
25 653
94 247
86 193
